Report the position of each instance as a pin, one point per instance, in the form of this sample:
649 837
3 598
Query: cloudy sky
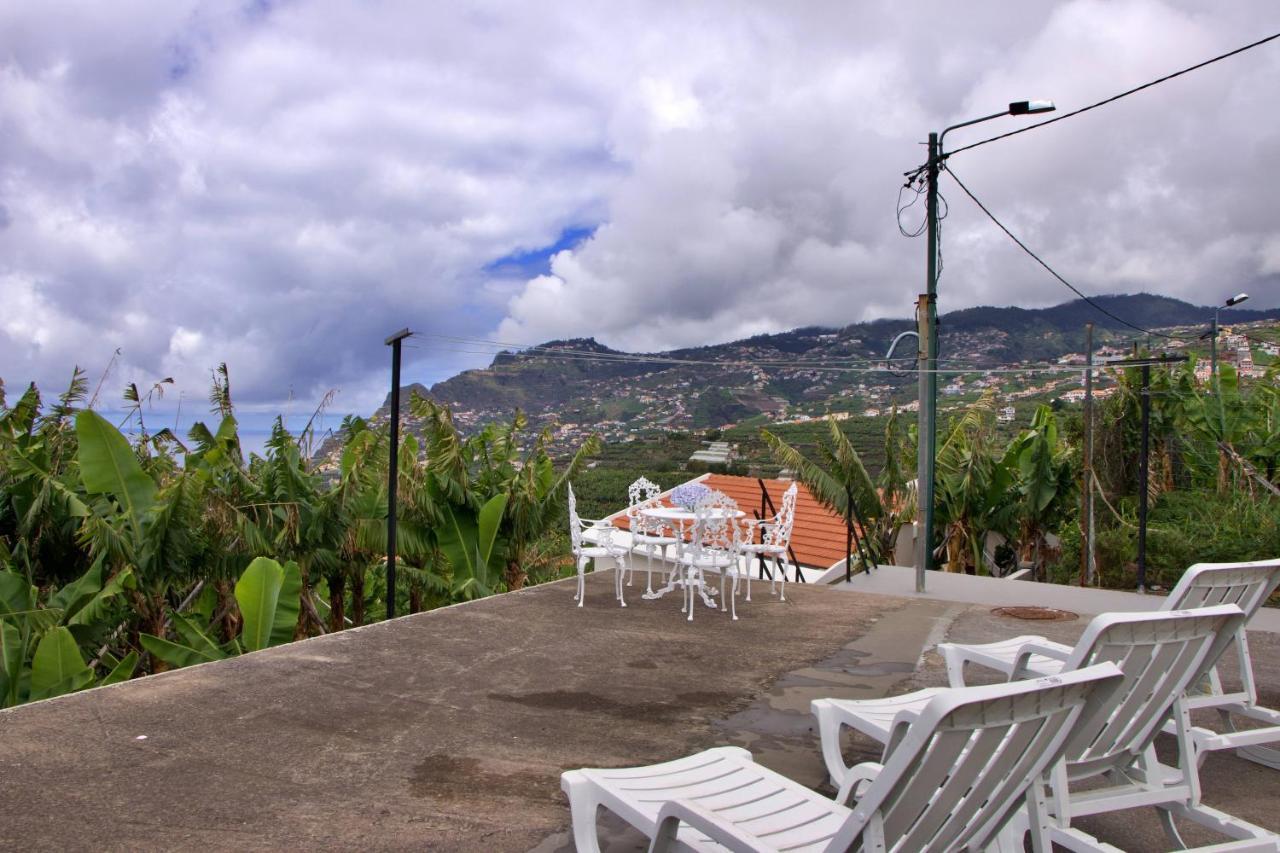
281 185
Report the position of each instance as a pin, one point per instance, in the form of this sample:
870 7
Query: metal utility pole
927 324
1087 557
393 472
927 318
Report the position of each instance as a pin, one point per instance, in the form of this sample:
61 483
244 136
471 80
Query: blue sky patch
535 262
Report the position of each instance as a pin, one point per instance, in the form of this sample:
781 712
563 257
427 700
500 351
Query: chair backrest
779 533
715 526
1161 654
575 523
1247 585
642 494
958 771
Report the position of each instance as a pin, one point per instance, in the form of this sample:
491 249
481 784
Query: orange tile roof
818 537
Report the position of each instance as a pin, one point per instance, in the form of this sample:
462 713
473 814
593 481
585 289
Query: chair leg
748 580
582 809
648 581
733 595
621 571
786 564
723 605
582 581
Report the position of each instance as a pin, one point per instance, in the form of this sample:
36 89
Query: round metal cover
1039 614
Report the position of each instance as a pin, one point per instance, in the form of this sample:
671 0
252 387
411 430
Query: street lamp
1213 335
927 320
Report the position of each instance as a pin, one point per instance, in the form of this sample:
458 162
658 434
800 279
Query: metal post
393 472
926 423
848 534
1086 504
1143 475
1213 353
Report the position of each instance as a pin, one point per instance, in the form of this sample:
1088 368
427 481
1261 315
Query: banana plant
269 598
40 650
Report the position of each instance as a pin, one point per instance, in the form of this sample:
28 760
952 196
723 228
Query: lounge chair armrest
1027 650
867 771
703 820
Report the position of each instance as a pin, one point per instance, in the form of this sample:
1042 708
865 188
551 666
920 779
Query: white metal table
684 576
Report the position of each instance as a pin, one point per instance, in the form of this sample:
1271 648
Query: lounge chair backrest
957 772
1247 585
1161 654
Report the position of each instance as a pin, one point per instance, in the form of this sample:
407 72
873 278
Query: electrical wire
1114 98
1050 269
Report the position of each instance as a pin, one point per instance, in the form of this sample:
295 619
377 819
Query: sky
280 185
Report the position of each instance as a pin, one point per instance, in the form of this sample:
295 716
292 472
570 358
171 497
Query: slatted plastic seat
1247 585
958 770
1161 654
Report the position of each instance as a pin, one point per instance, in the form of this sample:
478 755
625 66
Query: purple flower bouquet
688 495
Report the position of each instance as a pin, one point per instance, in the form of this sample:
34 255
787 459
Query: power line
1114 98
561 355
1050 269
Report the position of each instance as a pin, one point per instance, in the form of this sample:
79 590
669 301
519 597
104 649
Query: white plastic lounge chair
604 547
647 533
1160 655
1247 585
775 540
958 770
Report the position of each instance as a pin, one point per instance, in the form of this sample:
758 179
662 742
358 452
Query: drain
1036 614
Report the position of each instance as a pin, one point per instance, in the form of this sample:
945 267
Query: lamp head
1026 108
1237 299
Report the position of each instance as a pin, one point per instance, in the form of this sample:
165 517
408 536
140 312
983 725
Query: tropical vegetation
123 557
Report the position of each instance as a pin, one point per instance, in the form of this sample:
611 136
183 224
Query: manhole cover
1041 614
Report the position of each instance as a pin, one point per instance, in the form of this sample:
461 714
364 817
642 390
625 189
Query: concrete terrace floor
448 730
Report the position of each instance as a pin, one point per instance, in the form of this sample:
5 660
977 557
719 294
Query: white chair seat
649 539
599 551
757 548
726 781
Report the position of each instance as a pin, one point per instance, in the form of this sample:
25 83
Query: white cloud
279 186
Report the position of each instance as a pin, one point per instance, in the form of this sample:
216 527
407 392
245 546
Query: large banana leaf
268 597
173 653
76 594
469 538
57 666
96 608
109 467
196 639
13 652
122 671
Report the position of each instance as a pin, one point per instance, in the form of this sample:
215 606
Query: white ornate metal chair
715 545
1247 585
775 542
584 552
1160 654
647 533
958 771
